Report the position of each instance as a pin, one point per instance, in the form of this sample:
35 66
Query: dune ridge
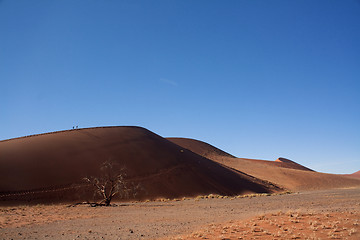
62 131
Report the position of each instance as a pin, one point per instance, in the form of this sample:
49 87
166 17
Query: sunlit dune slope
355 174
292 179
282 172
211 152
202 148
50 167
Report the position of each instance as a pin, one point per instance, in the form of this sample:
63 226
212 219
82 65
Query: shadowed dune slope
282 172
213 153
50 167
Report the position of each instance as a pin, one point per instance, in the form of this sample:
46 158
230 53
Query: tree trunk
107 202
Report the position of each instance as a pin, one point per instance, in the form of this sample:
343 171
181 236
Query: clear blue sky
258 79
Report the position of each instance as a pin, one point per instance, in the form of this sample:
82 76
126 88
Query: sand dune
50 167
291 164
199 147
355 174
292 179
282 172
214 153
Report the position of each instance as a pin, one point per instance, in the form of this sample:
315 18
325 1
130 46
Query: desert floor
326 214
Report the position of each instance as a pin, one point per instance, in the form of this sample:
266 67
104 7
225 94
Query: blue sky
258 79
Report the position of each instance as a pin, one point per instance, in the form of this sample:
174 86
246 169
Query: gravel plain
167 218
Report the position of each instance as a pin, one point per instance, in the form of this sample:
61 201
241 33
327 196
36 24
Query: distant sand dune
199 147
354 175
282 172
214 153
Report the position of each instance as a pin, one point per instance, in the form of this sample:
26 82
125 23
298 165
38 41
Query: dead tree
111 183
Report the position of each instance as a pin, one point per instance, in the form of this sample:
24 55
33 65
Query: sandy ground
312 215
289 225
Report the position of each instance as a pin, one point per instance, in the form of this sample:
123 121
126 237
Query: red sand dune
282 164
292 179
355 174
291 164
199 147
282 172
211 152
50 167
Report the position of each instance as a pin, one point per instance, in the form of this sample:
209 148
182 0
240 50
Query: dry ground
290 225
321 214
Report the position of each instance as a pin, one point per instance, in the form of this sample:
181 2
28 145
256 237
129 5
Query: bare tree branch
112 183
